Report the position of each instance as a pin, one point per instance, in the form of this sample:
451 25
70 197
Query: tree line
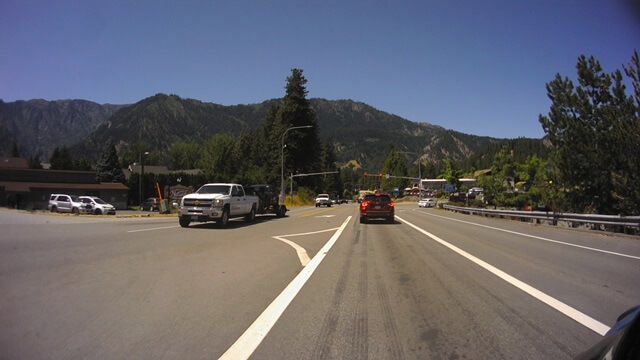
589 163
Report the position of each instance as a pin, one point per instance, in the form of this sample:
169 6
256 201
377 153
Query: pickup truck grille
198 202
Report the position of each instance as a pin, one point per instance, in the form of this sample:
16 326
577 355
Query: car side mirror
622 341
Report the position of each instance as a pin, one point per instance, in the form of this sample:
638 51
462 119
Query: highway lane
390 292
560 267
92 288
145 288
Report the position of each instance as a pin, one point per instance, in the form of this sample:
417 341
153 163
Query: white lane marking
567 310
324 216
310 233
535 237
151 229
253 336
302 253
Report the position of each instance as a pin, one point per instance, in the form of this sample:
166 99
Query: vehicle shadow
235 223
380 222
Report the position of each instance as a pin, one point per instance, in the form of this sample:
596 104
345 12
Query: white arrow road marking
302 253
151 229
253 336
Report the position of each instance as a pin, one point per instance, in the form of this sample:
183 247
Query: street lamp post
282 159
142 155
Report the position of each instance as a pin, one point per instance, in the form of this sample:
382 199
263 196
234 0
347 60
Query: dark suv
377 206
151 204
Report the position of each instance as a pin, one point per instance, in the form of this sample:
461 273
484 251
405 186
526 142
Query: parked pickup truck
268 202
217 202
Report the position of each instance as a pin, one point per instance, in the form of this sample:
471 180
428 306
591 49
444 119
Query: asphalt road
433 285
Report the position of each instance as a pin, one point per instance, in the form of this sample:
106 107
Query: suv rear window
383 198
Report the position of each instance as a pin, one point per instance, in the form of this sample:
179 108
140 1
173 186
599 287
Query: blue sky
479 67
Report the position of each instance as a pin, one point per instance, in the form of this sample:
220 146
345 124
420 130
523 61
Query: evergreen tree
15 152
183 156
302 151
61 159
589 126
394 165
108 167
81 164
451 173
34 162
626 179
217 161
268 145
330 182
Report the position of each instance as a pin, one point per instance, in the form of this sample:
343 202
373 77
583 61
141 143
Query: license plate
194 217
377 207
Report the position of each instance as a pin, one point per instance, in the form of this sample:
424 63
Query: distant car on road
323 199
428 202
67 204
377 206
98 206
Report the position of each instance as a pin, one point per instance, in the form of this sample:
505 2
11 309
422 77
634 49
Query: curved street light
282 159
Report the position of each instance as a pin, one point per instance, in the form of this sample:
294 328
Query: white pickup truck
217 202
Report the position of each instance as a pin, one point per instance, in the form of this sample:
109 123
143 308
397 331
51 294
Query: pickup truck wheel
54 209
184 222
281 211
390 220
251 215
75 211
97 212
363 220
224 219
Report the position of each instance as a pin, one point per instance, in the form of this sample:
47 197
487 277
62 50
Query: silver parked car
67 204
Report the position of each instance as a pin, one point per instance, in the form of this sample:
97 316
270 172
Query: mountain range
358 131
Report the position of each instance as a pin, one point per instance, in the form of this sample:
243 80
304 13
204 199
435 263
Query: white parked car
98 206
427 202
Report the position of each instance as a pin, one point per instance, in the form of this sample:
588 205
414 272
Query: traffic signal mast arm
387 176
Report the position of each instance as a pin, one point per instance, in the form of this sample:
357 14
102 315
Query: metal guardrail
626 221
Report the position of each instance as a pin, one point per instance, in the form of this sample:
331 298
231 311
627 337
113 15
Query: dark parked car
376 206
151 204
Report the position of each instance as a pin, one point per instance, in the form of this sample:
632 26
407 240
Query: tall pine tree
108 166
590 127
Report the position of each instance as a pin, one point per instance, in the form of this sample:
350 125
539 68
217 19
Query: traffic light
379 175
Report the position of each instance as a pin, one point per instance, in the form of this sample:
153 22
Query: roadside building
29 189
441 184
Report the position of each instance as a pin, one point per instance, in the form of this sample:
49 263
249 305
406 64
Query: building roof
15 186
13 163
155 169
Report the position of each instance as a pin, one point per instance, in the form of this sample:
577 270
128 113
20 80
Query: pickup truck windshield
214 189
